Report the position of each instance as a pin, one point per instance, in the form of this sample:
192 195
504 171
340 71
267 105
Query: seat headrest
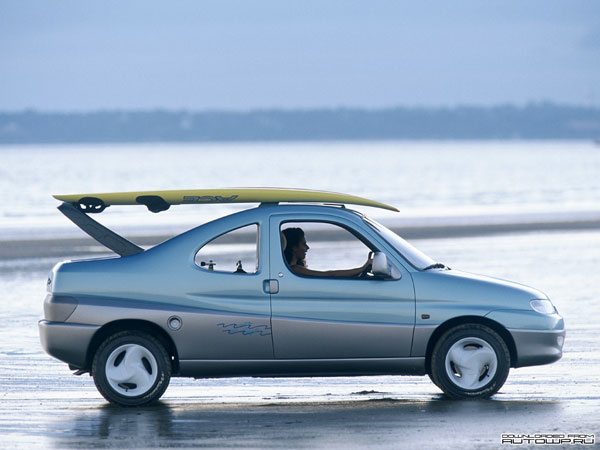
283 242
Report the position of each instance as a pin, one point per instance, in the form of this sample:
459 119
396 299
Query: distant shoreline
536 121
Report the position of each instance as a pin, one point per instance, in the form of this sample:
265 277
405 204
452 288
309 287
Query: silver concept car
221 300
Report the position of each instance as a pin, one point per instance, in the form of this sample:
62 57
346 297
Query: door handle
270 286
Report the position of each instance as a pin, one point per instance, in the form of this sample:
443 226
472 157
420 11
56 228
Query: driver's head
296 246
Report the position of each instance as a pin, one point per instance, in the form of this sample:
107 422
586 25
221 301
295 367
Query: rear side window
233 252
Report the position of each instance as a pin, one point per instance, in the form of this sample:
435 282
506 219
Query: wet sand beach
42 405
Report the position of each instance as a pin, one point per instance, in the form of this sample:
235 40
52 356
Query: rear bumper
535 347
67 342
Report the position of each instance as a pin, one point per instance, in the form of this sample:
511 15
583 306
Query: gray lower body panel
535 347
324 339
66 342
421 337
223 335
302 367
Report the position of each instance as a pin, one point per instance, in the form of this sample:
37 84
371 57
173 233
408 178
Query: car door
337 317
235 311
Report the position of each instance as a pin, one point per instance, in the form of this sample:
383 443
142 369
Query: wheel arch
133 325
455 321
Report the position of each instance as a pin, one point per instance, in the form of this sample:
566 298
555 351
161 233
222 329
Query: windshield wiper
437 266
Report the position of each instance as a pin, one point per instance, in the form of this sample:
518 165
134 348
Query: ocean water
425 180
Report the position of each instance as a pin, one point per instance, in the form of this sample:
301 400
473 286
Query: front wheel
131 368
470 361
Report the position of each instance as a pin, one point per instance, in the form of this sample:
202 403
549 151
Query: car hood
468 289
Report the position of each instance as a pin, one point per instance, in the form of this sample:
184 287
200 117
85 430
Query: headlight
543 306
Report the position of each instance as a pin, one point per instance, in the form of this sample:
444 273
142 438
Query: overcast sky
143 54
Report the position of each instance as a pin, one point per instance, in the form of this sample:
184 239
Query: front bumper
535 347
67 342
538 338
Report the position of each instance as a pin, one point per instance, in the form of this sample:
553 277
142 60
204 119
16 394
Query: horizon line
338 108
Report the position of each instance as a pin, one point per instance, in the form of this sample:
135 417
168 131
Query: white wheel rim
471 363
131 370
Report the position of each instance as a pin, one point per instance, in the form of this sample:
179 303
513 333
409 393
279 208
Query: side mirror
382 268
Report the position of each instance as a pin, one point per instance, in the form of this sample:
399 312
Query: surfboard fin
154 203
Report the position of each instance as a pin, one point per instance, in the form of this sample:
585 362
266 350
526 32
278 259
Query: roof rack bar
99 232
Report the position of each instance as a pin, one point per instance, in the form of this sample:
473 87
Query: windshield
413 255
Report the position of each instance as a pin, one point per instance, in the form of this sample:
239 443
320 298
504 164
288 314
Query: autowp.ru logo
548 438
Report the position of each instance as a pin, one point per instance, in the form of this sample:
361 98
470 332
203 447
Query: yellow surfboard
157 201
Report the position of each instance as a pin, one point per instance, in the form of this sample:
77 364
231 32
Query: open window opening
233 252
324 249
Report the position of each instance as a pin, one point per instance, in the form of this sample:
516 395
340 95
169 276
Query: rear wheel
470 361
131 368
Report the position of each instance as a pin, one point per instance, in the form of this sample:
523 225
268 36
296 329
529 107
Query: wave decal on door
245 329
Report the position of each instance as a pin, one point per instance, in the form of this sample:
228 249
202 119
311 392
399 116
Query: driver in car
294 249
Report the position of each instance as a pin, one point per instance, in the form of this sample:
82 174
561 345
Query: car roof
266 210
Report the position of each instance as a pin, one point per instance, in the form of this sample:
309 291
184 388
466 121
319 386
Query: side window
330 246
233 252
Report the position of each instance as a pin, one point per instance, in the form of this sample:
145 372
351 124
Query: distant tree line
534 121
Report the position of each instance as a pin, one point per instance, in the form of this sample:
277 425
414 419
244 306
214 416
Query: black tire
481 374
131 368
433 380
